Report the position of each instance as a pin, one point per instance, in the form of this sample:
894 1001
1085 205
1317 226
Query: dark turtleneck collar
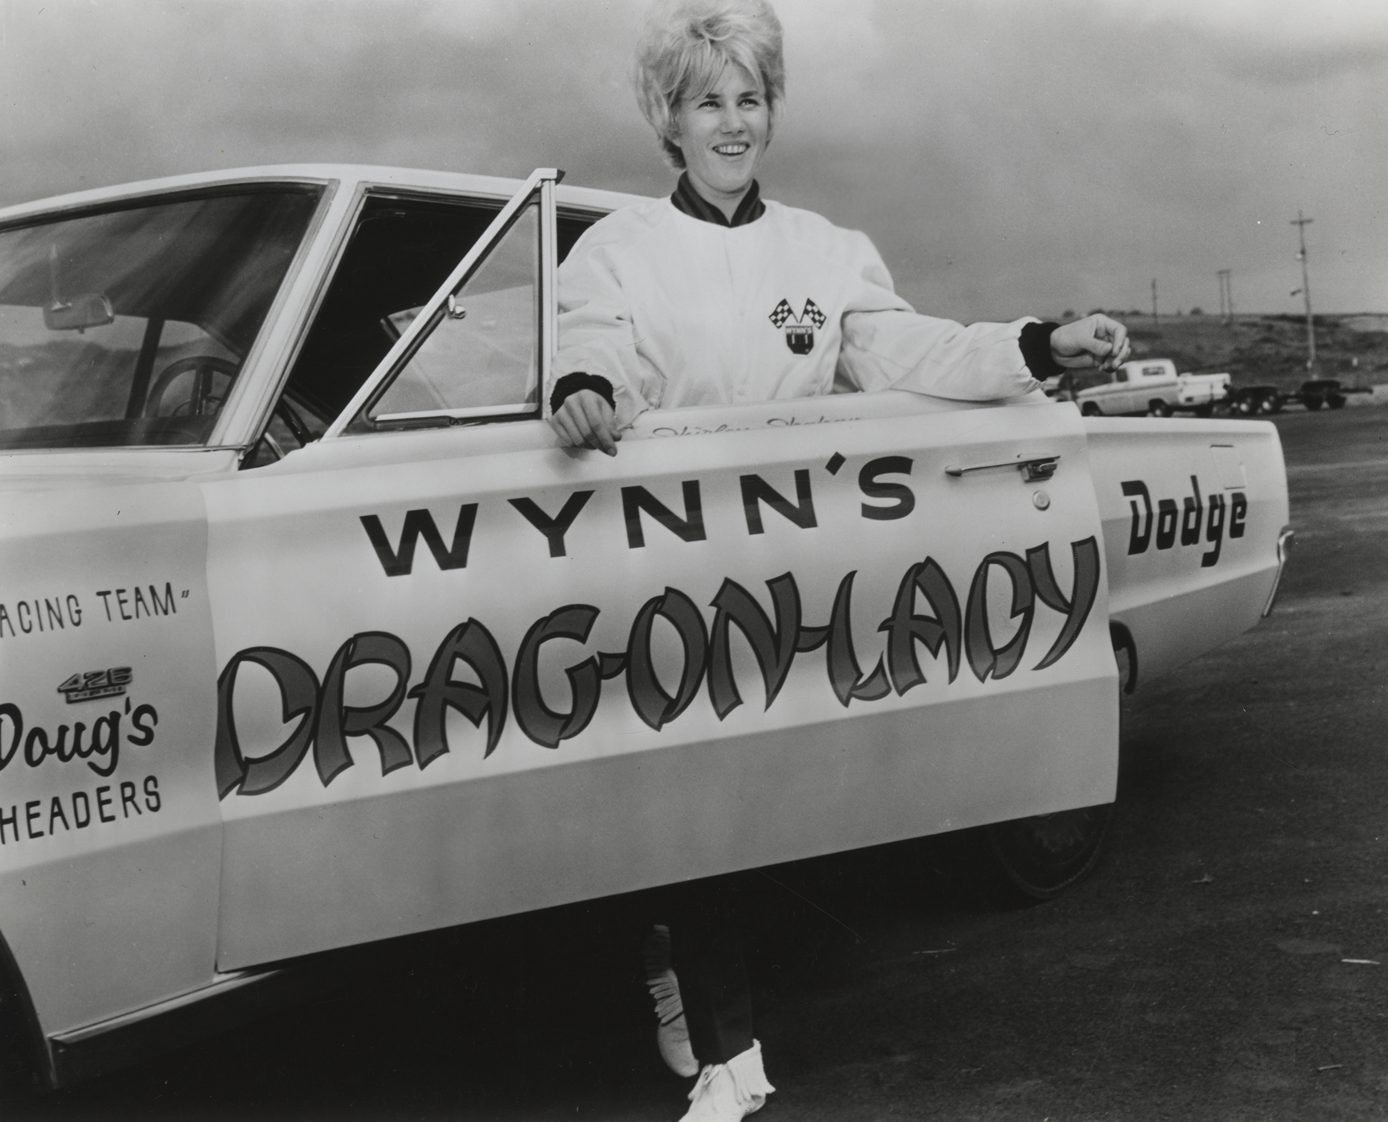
688 201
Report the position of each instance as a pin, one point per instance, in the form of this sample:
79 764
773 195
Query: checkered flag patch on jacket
813 314
780 313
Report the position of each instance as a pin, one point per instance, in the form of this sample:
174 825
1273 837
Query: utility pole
1226 295
1154 299
1301 223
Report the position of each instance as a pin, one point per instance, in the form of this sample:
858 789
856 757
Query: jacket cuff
570 384
1035 342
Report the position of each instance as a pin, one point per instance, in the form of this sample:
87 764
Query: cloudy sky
1007 156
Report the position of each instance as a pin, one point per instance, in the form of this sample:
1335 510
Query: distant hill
1267 349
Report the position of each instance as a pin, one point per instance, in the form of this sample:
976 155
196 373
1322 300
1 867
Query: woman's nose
732 119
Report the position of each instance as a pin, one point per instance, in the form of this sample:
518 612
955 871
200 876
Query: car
1256 398
1315 392
313 636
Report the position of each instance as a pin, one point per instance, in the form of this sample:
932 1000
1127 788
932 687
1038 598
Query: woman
715 295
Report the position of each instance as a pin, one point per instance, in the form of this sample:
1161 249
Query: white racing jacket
676 311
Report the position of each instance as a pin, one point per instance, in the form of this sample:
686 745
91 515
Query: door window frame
355 417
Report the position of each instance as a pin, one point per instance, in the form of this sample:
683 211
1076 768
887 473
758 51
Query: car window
474 361
483 354
401 249
128 325
53 381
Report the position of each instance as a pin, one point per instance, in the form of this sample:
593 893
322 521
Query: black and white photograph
681 559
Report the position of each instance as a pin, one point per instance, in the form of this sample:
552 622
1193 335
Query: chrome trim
1285 540
460 414
247 408
549 299
1035 469
229 1000
424 321
226 984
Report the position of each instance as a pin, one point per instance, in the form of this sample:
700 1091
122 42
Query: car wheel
1157 408
1245 405
20 1090
1030 860
1313 403
1089 409
1336 402
1038 858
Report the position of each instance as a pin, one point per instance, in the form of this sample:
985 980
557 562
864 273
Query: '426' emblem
96 683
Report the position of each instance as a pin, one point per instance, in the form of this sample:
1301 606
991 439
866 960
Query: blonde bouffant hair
687 44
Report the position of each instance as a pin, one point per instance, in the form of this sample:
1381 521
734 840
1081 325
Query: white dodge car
312 636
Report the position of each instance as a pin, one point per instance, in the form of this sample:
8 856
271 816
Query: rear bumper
1285 541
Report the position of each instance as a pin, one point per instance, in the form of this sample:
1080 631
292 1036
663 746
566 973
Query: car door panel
493 682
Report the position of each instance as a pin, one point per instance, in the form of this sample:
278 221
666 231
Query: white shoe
672 1031
731 1091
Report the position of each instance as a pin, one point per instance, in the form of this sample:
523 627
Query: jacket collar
688 201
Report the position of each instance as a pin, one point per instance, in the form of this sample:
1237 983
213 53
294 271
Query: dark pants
706 949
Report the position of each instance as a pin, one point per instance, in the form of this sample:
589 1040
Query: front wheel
1158 408
20 1088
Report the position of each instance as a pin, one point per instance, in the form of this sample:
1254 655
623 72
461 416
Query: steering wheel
209 379
287 415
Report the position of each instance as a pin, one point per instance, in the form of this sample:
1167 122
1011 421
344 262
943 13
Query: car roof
351 176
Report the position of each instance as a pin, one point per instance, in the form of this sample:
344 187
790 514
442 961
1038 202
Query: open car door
465 672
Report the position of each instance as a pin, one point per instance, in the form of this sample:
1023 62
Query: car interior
402 249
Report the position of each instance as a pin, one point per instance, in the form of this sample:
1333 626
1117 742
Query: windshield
129 326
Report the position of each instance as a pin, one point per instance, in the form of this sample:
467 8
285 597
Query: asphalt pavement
1228 962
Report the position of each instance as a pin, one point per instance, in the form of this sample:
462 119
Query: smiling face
722 134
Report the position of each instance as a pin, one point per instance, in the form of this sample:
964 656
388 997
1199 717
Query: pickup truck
1152 386
312 636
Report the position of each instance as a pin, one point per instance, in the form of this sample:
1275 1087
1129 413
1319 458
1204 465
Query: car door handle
1034 469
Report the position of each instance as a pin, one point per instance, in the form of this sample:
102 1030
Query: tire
1313 403
1038 858
1245 405
1158 408
1336 402
1031 860
1089 409
20 1088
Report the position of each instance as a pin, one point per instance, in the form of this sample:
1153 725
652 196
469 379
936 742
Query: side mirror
91 309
